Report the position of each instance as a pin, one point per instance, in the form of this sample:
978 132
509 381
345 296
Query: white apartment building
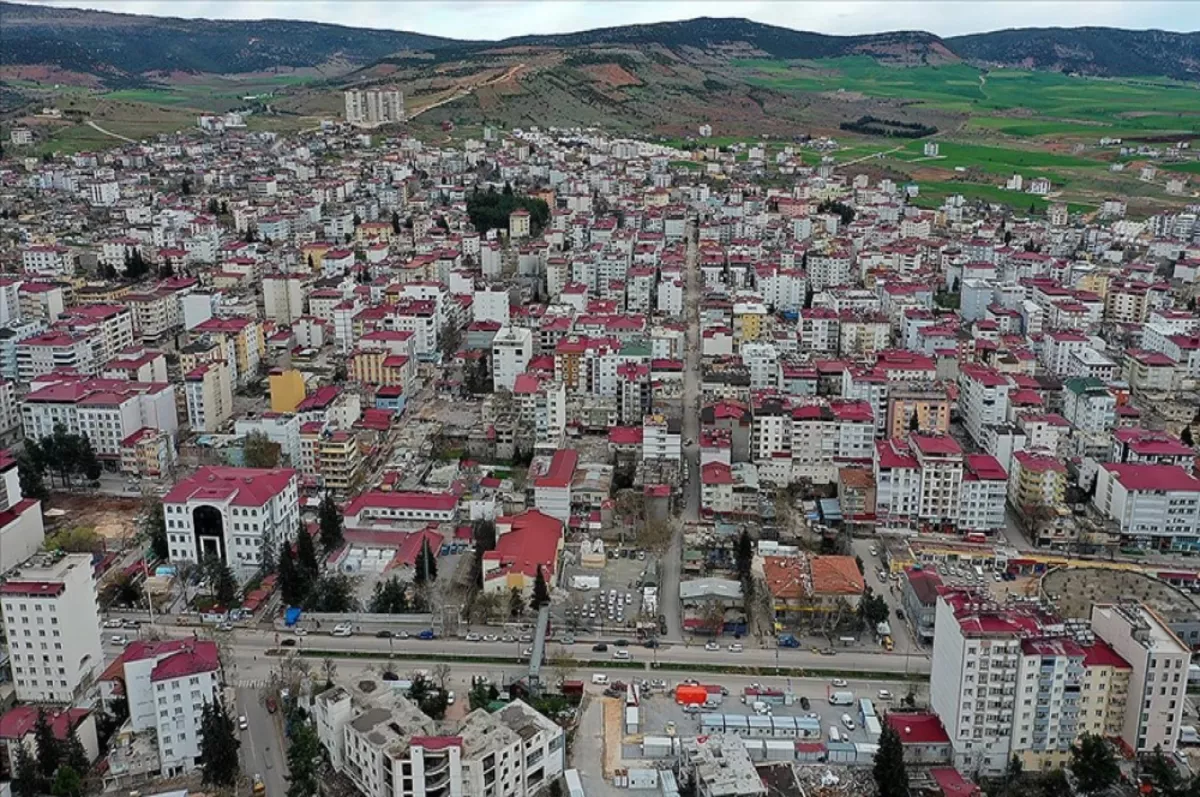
374 107
209 396
232 513
975 675
41 354
941 461
166 684
662 438
1155 506
283 297
512 349
10 416
984 494
21 529
983 398
282 428
492 303
1158 682
52 622
111 325
386 747
106 411
49 261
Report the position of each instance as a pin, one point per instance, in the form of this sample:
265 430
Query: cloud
496 19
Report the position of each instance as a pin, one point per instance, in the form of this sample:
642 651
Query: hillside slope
121 47
1107 52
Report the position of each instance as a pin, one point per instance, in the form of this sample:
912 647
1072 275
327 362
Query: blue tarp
291 616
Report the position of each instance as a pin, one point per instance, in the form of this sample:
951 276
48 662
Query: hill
1105 52
123 49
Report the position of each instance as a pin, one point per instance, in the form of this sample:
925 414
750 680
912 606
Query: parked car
114 623
899 614
838 683
848 722
736 647
343 629
884 695
242 723
288 643
298 631
427 634
711 645
621 655
621 643
473 638
804 703
384 634
272 706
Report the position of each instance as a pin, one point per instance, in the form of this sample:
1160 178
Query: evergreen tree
745 555
306 555
214 207
27 781
891 778
185 186
166 270
89 464
30 476
516 604
541 593
67 782
221 580
425 567
304 759
155 524
218 746
1093 764
330 518
290 581
389 597
914 422
48 753
76 756
396 226
1185 437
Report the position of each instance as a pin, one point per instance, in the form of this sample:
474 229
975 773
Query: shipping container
873 728
755 748
631 719
667 783
760 727
785 727
865 709
779 750
691 695
574 784
643 779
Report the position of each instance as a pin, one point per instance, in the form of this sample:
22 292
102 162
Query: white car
242 724
848 722
839 683
621 654
112 623
874 551
736 647
710 645
298 631
884 695
450 698
118 639
343 629
473 638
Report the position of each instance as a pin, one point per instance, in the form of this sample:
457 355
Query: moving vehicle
298 631
384 634
242 723
343 629
621 655
599 678
600 647
473 638
288 643
839 683
427 634
710 645
272 705
884 695
845 698
112 623
736 647
788 641
259 786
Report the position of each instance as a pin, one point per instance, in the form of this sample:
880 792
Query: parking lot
662 716
613 604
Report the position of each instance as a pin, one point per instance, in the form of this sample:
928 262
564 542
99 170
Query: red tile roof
561 470
18 722
1171 478
245 486
917 728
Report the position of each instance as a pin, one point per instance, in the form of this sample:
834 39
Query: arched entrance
210 533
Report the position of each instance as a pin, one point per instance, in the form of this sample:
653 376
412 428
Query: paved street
262 743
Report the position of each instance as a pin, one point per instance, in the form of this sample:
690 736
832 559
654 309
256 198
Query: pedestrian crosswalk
249 683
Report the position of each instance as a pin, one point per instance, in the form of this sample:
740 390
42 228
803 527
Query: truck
842 698
691 695
888 644
259 786
788 641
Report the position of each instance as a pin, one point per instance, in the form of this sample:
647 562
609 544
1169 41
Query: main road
249 648
671 561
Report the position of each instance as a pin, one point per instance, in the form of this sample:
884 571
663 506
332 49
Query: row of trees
61 453
892 128
58 768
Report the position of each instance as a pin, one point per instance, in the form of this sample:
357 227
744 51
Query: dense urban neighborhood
350 462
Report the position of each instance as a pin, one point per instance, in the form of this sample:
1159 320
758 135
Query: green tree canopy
329 516
218 746
490 210
891 778
1093 764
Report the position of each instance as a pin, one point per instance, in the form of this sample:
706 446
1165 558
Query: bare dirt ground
112 518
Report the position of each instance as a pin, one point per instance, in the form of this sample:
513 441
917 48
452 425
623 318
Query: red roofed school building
524 542
230 512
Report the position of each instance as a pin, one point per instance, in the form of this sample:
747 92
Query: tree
516 603
389 597
67 782
891 778
27 780
655 536
259 452
291 583
862 567
541 593
481 695
333 592
76 756
135 265
154 523
714 616
30 476
1053 784
1185 437
218 745
449 340
1013 772
304 761
425 566
221 581
872 608
744 556
914 422
306 556
89 464
1166 778
329 516
48 753
484 534
396 226
1093 764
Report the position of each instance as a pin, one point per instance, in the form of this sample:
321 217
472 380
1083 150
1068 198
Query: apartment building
984 494
283 297
1155 506
941 462
55 350
662 438
983 398
387 747
232 513
209 395
165 685
1037 480
552 483
1159 671
374 107
106 411
21 529
52 623
280 428
332 456
512 349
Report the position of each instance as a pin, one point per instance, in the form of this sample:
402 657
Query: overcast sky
497 19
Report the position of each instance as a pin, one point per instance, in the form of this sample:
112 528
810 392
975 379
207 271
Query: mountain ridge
123 48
